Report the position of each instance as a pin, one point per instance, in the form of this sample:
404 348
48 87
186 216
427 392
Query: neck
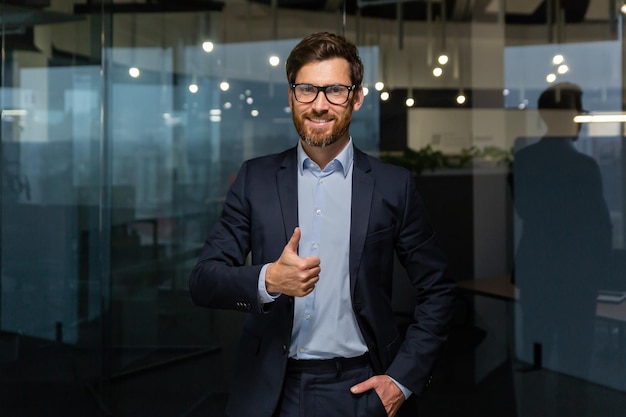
323 155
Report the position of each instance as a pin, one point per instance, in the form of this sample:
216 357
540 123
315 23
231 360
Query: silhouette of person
565 240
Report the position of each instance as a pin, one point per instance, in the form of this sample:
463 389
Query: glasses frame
322 88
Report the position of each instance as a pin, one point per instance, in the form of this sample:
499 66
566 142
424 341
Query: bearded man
322 222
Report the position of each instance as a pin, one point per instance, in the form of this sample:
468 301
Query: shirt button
308 316
321 180
301 350
315 246
318 212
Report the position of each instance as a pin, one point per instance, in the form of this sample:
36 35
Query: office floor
194 385
194 388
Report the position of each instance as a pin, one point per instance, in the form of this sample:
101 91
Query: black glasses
335 94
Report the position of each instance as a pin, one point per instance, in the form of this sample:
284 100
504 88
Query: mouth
319 122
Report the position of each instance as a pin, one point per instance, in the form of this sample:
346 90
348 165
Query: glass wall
124 123
54 219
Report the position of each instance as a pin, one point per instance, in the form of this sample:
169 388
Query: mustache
315 113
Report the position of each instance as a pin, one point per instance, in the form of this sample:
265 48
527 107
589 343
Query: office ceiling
517 11
20 14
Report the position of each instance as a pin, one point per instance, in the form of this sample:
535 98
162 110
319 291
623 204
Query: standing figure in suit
565 242
322 222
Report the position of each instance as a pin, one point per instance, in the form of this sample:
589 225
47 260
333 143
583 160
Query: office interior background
124 122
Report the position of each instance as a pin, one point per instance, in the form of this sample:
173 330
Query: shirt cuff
264 296
407 393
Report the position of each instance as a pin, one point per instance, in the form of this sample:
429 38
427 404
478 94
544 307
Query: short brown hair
320 47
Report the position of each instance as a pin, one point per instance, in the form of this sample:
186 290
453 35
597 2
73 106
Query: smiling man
322 222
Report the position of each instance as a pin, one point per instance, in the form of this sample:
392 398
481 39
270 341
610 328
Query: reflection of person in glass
566 237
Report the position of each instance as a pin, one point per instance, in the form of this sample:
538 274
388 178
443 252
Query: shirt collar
343 160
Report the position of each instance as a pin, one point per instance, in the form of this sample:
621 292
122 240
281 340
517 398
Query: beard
322 137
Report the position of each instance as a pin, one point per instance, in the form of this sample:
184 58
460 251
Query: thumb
363 386
293 243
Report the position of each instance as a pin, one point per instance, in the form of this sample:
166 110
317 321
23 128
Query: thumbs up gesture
291 274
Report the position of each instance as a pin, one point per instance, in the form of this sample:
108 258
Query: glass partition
124 123
53 219
568 196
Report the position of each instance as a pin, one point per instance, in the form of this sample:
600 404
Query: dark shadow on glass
563 253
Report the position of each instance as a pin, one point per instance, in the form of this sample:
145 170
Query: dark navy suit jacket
259 216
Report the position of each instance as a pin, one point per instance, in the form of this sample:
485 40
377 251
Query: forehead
330 71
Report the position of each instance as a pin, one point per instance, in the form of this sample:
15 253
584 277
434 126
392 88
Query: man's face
321 123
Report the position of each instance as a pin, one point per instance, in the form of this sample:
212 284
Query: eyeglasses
335 94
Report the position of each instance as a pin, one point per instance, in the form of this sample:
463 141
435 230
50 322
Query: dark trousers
322 389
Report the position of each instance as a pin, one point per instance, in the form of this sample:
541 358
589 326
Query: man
565 241
322 221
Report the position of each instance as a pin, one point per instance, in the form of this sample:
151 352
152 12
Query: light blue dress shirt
324 323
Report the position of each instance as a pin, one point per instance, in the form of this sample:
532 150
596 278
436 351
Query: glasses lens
305 93
337 94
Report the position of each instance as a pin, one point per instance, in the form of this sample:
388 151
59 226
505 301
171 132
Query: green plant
430 159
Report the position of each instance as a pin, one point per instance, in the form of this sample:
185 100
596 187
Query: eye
335 89
307 89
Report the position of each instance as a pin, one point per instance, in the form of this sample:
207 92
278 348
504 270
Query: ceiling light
557 59
410 102
274 60
193 88
384 96
551 78
563 69
600 118
437 72
134 72
379 86
224 86
208 46
14 112
443 59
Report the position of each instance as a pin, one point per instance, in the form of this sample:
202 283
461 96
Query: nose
320 103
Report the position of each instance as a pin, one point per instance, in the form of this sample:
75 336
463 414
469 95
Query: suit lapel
362 191
287 185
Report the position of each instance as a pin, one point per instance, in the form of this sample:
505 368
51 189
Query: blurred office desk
502 288
613 313
497 287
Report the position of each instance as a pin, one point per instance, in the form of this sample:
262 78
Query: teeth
319 120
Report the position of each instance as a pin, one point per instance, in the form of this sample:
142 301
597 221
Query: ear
357 99
290 98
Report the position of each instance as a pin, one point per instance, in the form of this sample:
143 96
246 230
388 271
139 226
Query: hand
291 274
387 390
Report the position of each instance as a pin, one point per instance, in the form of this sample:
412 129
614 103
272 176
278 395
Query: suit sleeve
427 268
221 279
